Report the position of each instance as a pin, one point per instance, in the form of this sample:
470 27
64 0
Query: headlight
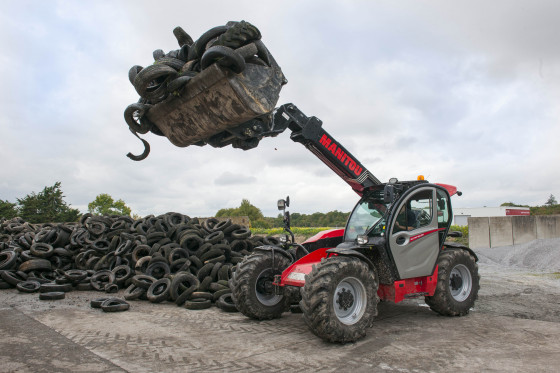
362 239
283 239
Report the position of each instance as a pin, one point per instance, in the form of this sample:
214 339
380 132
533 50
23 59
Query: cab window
415 213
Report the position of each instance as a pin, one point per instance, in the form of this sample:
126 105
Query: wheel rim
460 282
264 291
349 301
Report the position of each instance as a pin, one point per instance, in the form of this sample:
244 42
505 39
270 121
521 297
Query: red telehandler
222 90
393 248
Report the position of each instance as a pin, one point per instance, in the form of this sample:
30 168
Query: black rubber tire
157 54
198 304
29 286
52 295
319 293
175 63
134 116
214 237
176 84
226 303
96 303
442 301
187 280
241 233
35 265
223 56
50 288
199 46
75 275
114 305
8 260
182 37
133 292
134 70
238 35
41 250
101 279
159 290
201 294
12 277
145 78
254 271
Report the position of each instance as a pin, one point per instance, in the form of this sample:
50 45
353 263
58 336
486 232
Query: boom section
309 132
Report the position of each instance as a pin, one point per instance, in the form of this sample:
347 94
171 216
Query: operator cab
406 220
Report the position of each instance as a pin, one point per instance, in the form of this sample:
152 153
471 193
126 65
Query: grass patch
298 231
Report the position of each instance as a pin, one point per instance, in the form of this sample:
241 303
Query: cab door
414 238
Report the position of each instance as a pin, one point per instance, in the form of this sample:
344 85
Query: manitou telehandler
222 90
393 248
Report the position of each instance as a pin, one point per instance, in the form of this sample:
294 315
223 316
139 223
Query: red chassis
294 275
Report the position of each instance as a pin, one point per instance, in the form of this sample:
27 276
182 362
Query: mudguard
352 253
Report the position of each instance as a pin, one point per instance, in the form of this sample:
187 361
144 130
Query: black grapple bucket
217 99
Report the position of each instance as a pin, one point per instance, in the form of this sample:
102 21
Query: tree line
48 206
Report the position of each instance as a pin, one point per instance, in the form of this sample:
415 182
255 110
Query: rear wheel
252 288
339 299
458 283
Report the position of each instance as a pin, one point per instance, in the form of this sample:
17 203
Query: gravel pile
542 255
170 257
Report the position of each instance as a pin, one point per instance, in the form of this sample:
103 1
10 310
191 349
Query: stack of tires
232 46
170 257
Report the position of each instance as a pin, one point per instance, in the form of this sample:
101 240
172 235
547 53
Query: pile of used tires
170 257
232 46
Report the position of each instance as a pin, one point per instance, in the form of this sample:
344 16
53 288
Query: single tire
8 260
339 299
226 303
149 81
52 295
115 305
133 292
134 116
50 288
29 286
185 279
96 303
223 56
35 265
199 46
182 37
159 290
252 287
458 283
198 304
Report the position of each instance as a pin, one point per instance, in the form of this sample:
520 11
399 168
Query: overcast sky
464 92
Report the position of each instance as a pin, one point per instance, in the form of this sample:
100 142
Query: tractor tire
339 299
251 286
458 283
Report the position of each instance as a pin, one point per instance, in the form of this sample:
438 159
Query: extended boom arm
308 131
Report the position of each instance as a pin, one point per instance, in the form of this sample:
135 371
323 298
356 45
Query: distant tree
8 210
551 201
511 204
47 206
104 204
255 215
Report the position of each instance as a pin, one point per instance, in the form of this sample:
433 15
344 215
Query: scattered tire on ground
167 258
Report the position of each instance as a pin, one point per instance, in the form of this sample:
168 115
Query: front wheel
339 299
252 289
457 285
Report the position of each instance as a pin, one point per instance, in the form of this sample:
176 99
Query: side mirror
283 203
389 194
